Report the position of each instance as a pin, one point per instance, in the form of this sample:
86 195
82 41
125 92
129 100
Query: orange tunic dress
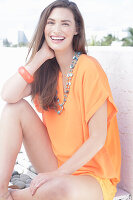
68 131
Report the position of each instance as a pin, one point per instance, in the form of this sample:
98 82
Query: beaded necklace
68 83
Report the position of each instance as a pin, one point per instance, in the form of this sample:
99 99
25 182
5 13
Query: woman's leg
19 122
67 187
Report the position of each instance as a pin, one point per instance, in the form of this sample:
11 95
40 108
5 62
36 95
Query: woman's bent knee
15 108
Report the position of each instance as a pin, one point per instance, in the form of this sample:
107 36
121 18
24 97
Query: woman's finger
39 184
33 185
35 180
34 190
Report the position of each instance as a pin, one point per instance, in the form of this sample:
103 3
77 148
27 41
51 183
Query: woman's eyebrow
65 20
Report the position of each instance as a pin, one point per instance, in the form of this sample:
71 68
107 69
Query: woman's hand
42 178
45 53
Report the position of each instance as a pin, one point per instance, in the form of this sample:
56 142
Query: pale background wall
117 62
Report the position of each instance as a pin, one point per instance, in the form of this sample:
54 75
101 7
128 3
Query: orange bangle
25 74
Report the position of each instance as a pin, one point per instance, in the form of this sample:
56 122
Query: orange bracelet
25 74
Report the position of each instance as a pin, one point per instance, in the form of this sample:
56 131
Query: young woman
76 149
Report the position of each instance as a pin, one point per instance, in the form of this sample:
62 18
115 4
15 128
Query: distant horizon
99 16
99 34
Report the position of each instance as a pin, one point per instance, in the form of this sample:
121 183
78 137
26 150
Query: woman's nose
57 28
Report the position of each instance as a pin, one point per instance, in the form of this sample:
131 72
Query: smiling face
60 29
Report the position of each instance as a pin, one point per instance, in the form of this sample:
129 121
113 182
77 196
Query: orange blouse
68 131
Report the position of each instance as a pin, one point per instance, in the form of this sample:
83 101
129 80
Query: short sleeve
37 105
96 91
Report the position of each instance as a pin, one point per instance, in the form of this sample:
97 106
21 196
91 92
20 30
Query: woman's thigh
70 187
85 187
35 136
67 187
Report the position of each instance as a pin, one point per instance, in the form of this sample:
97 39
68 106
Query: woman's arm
15 88
98 131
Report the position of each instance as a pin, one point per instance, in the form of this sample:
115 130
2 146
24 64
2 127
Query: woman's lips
57 39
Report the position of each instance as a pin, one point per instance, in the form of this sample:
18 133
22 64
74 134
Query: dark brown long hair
45 78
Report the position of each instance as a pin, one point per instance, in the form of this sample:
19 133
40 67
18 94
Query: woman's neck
64 60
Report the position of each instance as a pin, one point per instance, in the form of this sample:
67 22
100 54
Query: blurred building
22 39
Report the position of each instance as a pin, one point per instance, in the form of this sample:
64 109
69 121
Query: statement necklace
68 83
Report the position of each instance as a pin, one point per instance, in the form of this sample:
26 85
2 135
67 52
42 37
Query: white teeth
57 38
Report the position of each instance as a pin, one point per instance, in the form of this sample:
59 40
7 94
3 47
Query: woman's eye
49 22
65 24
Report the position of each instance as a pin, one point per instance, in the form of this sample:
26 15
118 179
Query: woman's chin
58 49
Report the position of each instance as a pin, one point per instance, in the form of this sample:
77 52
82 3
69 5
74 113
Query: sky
99 15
